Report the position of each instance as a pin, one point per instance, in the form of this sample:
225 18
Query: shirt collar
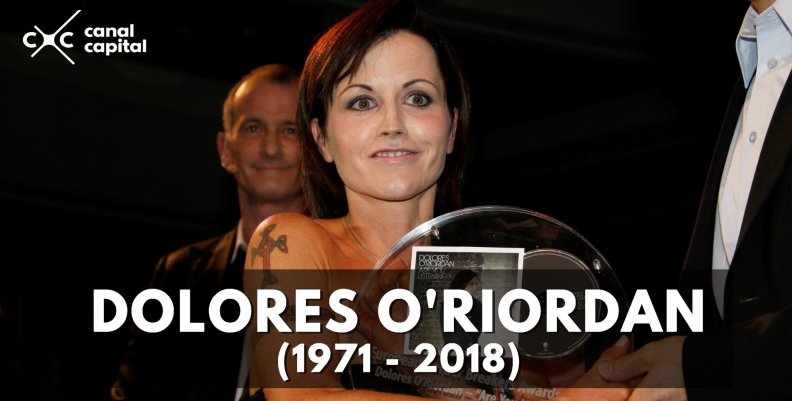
240 244
746 39
784 10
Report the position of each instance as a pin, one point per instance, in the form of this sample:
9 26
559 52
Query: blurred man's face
262 150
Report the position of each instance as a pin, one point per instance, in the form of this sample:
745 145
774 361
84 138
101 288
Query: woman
383 117
469 281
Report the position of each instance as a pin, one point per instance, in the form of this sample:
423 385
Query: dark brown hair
338 55
461 279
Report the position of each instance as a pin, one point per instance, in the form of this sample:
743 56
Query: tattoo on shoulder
266 246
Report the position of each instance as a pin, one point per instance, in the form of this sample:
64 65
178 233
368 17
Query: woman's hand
369 324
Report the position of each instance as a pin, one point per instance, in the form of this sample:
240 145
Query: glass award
488 251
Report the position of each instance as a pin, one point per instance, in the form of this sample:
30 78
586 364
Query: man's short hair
275 73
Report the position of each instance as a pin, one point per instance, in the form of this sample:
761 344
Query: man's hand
592 387
660 362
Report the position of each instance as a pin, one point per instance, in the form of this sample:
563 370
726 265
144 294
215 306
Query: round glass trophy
494 269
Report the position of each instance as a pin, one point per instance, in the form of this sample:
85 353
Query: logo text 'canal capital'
102 40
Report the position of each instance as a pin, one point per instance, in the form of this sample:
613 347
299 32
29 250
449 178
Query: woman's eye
290 130
361 104
419 100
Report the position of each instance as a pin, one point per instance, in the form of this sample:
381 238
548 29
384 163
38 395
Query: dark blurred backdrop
602 114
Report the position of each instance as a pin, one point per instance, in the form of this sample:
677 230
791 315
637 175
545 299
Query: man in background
259 147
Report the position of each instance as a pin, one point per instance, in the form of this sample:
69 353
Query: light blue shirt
773 37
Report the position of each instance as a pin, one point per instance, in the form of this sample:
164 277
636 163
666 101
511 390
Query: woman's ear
452 134
321 140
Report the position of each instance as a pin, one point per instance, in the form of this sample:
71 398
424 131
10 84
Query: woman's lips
394 155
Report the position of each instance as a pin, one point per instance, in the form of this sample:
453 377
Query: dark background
602 114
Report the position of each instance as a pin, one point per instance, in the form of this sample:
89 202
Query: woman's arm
290 252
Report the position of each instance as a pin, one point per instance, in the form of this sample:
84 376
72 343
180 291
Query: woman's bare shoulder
289 240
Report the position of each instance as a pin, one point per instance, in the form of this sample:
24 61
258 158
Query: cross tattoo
264 249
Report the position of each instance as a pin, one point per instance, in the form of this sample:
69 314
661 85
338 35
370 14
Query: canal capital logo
99 40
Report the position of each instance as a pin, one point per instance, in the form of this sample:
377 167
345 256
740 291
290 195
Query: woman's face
388 128
474 287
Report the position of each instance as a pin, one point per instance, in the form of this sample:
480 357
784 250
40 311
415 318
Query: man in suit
741 250
259 147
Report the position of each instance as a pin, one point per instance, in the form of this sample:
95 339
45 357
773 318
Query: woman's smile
394 155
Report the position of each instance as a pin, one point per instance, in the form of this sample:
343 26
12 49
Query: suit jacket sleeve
750 361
